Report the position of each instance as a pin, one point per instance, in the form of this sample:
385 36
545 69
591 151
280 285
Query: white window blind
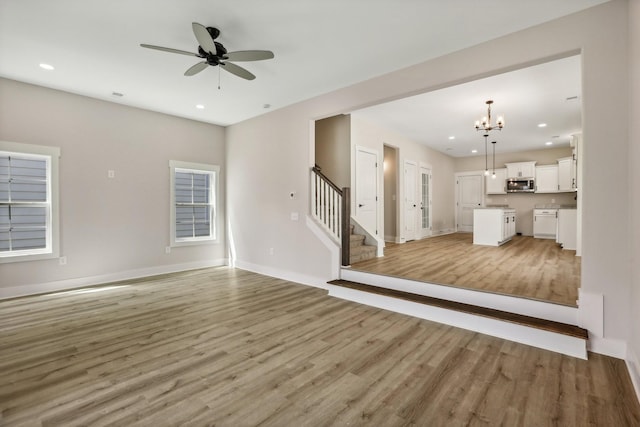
193 195
25 204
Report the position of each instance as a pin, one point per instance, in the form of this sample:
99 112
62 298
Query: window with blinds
193 203
25 204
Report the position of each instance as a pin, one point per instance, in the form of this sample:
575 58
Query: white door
366 197
410 200
469 198
425 201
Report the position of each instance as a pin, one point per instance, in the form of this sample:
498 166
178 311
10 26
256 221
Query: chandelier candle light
486 126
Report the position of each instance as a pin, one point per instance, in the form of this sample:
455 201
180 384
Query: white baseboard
607 347
59 285
303 279
633 366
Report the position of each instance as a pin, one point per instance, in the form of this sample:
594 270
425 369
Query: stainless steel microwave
520 185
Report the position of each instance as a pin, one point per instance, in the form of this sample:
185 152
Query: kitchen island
493 226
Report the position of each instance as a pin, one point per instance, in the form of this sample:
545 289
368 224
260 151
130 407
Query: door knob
360 205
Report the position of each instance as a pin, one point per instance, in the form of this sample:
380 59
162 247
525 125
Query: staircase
359 251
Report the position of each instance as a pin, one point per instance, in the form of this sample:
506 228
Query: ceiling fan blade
249 55
195 69
204 38
237 70
168 49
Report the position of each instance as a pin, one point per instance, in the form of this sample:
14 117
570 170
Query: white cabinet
566 174
508 224
493 226
567 228
547 179
496 185
545 223
521 170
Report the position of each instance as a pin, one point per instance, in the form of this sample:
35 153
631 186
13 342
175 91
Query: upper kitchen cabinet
496 185
566 174
521 170
547 179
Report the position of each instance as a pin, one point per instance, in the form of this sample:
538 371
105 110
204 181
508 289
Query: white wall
634 179
600 33
110 228
365 133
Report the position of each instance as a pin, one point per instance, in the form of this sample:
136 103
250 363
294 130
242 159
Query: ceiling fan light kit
215 54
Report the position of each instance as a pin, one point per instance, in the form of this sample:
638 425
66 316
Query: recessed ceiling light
200 107
542 125
47 67
548 143
452 137
474 151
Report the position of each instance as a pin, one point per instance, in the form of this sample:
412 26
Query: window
28 202
193 203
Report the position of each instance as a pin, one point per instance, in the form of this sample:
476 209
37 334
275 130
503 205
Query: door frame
354 198
404 235
429 230
457 192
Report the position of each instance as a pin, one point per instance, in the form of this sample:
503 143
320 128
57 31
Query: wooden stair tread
534 322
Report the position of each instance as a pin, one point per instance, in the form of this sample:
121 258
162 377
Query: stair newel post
345 232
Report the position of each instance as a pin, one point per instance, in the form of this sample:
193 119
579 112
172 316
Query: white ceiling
525 98
319 46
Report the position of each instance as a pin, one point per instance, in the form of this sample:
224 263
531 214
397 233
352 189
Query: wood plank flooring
227 347
524 267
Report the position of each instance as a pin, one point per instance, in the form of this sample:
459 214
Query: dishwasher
545 223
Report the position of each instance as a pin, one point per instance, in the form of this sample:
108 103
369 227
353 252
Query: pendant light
493 144
486 161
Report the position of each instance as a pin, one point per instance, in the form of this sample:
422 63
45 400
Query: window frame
214 172
51 155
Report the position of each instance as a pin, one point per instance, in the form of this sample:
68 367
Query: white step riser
540 309
546 340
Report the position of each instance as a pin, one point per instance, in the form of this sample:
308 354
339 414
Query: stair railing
331 206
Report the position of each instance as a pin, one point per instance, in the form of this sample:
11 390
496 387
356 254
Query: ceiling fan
214 54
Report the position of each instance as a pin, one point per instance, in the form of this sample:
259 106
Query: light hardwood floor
524 267
227 347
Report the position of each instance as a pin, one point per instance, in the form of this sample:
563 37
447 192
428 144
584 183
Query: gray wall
605 257
333 148
634 178
109 228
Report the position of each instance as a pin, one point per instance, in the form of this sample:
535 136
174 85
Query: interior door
410 200
366 197
469 198
425 201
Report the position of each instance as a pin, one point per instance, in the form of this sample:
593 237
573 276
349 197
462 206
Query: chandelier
485 124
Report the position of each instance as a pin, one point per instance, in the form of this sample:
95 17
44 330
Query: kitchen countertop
554 206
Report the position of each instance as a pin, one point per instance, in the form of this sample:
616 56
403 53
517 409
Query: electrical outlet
111 174
62 260
294 216
167 250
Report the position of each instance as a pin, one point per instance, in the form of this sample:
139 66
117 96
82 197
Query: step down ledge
554 336
525 306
